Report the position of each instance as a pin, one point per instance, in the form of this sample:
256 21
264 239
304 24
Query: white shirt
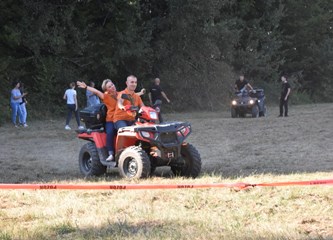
70 96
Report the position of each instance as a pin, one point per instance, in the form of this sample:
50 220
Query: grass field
233 150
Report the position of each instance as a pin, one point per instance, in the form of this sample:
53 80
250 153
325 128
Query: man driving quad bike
242 84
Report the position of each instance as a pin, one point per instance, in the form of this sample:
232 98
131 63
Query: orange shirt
110 103
123 115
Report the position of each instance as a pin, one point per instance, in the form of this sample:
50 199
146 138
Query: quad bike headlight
153 115
251 101
145 134
234 102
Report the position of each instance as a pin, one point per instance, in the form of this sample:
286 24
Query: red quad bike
139 148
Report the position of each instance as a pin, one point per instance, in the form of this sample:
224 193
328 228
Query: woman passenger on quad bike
109 98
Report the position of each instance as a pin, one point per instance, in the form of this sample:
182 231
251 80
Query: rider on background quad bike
249 102
139 148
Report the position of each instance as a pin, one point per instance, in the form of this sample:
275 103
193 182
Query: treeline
196 47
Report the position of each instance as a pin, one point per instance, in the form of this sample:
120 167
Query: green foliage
64 228
5 236
308 30
196 47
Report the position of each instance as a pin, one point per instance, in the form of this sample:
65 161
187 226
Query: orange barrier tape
156 186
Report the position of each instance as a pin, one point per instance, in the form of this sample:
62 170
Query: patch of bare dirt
302 142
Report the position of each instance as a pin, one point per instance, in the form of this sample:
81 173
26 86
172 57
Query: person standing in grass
15 100
285 92
92 98
155 94
72 105
23 109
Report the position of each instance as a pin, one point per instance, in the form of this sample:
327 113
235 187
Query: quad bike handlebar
246 91
131 108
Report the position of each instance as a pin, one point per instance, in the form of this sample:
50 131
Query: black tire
255 111
233 112
152 170
89 162
134 163
192 165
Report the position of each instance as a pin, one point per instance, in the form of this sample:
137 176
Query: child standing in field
72 106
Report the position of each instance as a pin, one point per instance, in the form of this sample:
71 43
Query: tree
307 29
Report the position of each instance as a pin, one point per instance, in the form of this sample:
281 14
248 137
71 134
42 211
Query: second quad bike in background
140 148
249 102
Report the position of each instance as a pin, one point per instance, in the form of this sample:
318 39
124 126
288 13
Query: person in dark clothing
285 92
155 94
23 116
241 84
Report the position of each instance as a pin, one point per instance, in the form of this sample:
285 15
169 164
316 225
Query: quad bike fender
99 138
126 137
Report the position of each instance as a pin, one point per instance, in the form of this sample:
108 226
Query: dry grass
269 213
297 148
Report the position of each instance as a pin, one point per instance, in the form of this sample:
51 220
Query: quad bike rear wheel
134 163
192 165
89 161
255 111
233 112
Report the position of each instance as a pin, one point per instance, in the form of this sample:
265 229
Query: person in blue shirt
15 100
92 98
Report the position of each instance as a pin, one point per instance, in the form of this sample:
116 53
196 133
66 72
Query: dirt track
230 147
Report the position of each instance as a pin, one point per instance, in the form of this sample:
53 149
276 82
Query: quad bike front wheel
192 166
134 163
89 161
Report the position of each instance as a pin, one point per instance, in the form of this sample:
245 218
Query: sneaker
110 158
25 125
81 127
112 164
67 127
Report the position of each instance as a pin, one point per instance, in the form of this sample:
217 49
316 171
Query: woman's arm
21 96
91 89
143 91
120 103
